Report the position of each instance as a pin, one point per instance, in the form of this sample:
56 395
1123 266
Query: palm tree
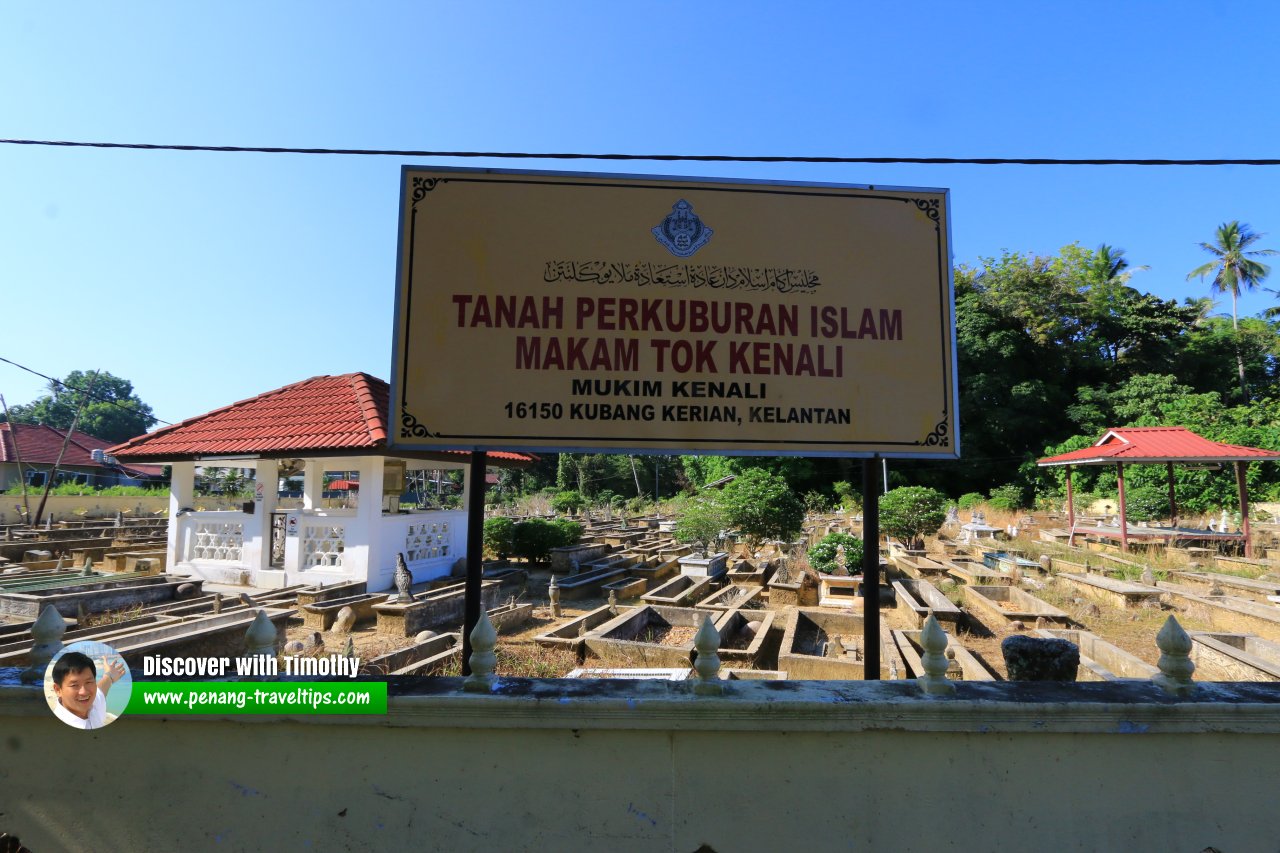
1234 270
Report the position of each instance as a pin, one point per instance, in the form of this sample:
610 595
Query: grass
112 617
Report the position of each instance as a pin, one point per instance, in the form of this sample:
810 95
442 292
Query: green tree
1234 270
822 556
700 520
568 501
911 513
497 536
761 506
112 411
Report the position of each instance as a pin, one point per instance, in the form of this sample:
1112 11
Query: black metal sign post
870 572
475 557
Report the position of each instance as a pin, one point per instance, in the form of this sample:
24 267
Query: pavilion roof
320 416
1136 445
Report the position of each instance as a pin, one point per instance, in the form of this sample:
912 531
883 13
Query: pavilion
1153 446
326 423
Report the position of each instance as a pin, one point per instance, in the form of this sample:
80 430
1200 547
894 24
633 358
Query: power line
92 396
702 158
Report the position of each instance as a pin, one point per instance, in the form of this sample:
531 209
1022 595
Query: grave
564 559
214 635
1260 587
916 599
838 590
920 567
1099 659
320 616
627 587
654 569
972 572
732 597
822 644
92 594
570 635
442 607
1249 564
510 615
1227 613
680 591
320 593
743 634
712 566
418 659
587 584
1010 604
1116 593
652 635
679 673
730 674
745 572
962 664
1234 657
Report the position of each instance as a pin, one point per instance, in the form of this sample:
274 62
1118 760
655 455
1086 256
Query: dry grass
112 617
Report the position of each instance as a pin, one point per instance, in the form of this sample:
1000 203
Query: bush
534 539
817 502
570 532
1007 498
761 506
700 520
497 536
970 499
822 557
568 501
1146 503
911 513
845 494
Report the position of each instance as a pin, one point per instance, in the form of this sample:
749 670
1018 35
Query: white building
326 423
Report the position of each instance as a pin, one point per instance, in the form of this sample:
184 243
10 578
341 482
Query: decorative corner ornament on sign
682 232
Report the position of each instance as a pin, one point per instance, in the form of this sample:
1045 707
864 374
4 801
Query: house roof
38 444
323 415
1157 444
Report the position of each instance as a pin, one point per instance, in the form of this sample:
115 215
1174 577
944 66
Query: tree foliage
761 506
112 412
823 556
911 513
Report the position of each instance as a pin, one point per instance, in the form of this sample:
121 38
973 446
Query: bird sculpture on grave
404 581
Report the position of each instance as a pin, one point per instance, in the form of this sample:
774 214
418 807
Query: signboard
550 311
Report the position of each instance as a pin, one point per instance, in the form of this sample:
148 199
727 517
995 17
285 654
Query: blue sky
207 278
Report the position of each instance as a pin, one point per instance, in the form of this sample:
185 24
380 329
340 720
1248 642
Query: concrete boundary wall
591 765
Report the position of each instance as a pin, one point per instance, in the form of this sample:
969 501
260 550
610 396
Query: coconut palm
1234 270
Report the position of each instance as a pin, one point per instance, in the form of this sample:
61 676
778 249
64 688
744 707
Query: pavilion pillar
1173 500
313 484
1242 489
1124 519
1071 511
475 557
182 490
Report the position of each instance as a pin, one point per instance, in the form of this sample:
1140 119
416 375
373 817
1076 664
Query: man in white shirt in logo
82 696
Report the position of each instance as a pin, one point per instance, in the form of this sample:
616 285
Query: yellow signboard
555 311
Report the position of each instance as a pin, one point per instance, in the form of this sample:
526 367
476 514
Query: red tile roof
1157 444
38 444
317 415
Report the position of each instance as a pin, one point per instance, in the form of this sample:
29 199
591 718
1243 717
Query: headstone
345 621
294 647
423 636
404 581
1148 577
217 603
349 650
1040 659
185 590
553 592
